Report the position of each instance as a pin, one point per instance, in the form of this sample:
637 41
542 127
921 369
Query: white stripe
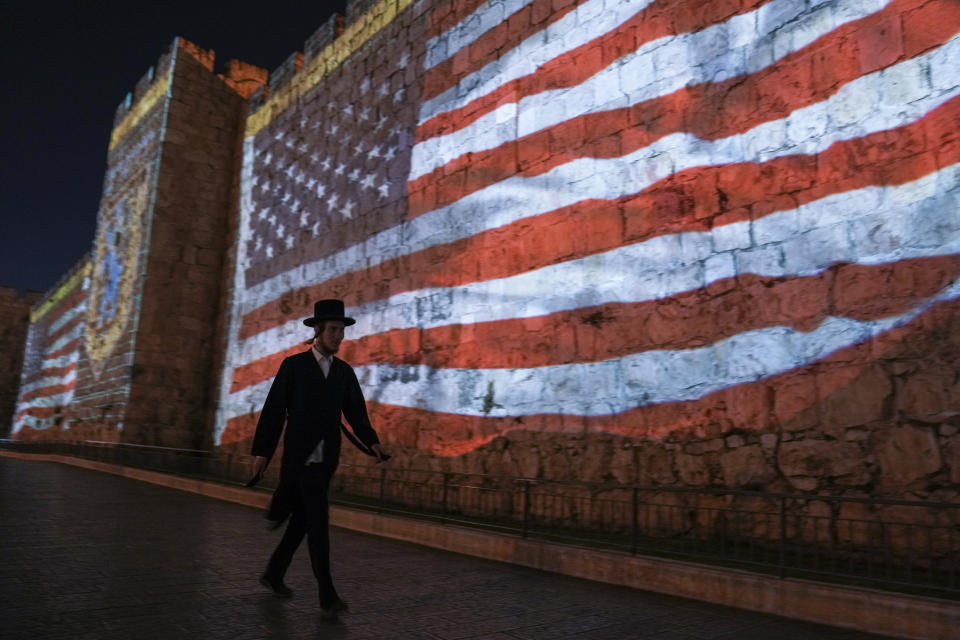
858 109
61 399
612 386
874 225
584 24
72 334
33 422
67 316
60 361
48 382
467 31
656 69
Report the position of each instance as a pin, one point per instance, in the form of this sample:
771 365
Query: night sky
66 68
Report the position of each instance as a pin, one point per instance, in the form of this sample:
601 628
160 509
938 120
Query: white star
332 201
311 182
404 59
364 114
348 109
358 149
384 89
398 96
279 230
288 144
303 123
266 186
286 197
348 207
389 153
267 158
272 219
278 135
295 205
315 229
316 124
303 218
314 157
384 189
333 128
354 175
269 251
321 189
365 85
302 148
258 244
382 121
289 241
256 181
374 152
262 214
345 138
367 182
340 168
299 179
325 165
276 188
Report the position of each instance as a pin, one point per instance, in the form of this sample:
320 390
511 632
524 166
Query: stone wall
713 250
14 321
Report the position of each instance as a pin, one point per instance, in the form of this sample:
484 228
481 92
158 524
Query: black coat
311 407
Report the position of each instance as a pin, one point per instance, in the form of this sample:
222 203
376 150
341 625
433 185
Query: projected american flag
51 354
617 216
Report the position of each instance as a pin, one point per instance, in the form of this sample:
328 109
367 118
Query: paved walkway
87 555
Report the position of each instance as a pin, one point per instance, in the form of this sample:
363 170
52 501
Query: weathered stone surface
861 402
906 454
830 459
692 470
922 396
746 467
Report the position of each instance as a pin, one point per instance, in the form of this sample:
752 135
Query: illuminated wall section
656 241
49 374
156 264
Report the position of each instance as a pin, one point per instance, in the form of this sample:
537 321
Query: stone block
805 460
746 467
906 454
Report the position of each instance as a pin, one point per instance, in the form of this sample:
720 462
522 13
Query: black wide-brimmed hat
328 310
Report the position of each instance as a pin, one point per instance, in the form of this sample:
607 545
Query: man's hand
382 456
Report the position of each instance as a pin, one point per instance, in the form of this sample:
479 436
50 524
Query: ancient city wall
709 245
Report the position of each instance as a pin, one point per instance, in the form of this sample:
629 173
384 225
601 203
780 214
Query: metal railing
902 545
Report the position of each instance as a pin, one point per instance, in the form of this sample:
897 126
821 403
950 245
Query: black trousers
311 517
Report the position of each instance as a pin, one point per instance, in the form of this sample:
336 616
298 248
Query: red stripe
40 412
43 392
449 13
696 199
710 111
684 321
51 372
660 19
533 18
70 347
774 403
66 328
29 433
76 297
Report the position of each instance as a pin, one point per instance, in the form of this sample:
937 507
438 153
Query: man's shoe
276 586
332 612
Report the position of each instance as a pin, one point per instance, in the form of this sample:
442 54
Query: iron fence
903 545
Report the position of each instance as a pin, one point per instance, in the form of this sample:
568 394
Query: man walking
308 395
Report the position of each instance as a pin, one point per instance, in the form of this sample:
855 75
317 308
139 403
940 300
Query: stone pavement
87 555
